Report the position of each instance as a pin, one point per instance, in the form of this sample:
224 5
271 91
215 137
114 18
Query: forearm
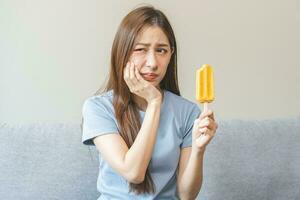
138 156
191 180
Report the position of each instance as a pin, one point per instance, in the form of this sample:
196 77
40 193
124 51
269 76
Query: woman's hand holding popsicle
204 130
205 126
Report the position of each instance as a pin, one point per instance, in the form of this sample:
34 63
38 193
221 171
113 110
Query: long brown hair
126 110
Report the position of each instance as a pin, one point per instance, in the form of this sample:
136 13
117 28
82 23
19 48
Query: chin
154 83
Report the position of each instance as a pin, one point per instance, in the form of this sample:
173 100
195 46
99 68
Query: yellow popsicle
205 85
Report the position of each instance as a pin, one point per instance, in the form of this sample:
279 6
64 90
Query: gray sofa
247 160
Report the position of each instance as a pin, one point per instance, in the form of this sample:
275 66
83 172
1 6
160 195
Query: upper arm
100 129
98 120
186 144
183 160
193 113
113 149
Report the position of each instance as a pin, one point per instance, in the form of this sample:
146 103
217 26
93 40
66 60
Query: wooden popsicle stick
205 107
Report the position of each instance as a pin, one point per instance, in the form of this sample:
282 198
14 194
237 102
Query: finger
137 74
126 72
208 122
132 75
212 115
203 115
130 80
207 114
201 122
208 132
203 130
196 124
197 133
209 129
204 123
126 76
210 126
139 77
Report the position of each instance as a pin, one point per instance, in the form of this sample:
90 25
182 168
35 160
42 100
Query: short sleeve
191 117
96 120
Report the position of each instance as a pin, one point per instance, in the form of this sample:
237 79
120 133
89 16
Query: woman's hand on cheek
138 85
204 130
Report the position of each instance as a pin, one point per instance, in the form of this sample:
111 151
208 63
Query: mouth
150 76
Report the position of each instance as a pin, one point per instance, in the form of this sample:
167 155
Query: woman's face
151 54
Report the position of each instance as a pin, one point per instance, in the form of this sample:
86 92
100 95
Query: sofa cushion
46 161
255 159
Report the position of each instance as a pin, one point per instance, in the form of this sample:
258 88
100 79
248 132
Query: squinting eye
139 50
162 50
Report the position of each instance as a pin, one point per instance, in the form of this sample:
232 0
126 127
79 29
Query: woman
151 141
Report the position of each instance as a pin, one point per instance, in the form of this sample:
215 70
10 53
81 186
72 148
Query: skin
151 54
147 56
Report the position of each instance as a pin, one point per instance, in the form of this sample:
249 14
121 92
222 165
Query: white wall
54 54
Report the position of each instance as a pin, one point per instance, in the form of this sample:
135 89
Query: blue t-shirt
177 117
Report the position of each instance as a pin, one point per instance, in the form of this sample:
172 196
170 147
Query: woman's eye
162 51
139 50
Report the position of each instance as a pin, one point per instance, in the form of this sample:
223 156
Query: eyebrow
147 44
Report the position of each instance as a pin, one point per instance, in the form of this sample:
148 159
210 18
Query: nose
151 60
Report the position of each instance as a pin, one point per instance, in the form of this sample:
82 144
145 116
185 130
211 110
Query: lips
149 76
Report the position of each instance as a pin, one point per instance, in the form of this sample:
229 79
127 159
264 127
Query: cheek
138 60
164 63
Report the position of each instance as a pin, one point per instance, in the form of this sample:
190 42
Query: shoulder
181 104
101 102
